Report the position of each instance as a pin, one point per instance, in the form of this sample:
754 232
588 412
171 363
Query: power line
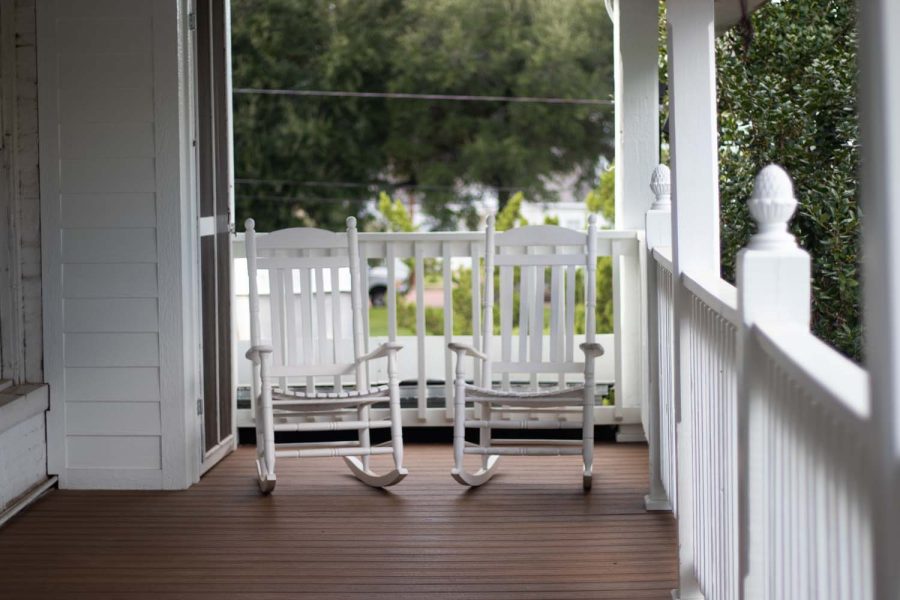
434 97
374 185
292 199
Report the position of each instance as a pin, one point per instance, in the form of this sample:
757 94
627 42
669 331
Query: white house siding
112 204
23 463
20 308
23 445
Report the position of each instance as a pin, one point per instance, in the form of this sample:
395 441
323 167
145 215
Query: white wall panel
107 175
108 210
113 452
106 36
112 349
131 384
103 9
89 139
110 315
109 245
78 70
112 105
113 143
109 280
125 418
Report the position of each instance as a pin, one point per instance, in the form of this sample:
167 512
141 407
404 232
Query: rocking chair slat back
305 350
538 269
304 268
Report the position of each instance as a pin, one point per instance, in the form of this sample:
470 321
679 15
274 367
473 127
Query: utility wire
433 97
374 185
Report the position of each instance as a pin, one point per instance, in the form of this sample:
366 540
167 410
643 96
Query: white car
378 282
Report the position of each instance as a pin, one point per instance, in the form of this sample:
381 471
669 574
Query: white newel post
636 33
695 224
879 112
773 284
658 227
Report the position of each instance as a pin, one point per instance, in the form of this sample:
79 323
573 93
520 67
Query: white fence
425 360
762 436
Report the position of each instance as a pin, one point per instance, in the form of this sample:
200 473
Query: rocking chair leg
459 472
588 434
265 464
364 438
484 436
396 417
360 468
459 429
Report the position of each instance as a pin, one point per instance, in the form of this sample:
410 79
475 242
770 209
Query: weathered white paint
20 314
23 448
879 60
115 156
695 224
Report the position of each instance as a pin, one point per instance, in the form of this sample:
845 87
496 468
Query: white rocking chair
308 345
531 250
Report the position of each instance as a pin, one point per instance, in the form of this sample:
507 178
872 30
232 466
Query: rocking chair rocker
525 253
308 345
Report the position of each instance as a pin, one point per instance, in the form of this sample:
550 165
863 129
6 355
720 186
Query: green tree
551 48
319 159
602 199
511 214
395 214
325 143
791 99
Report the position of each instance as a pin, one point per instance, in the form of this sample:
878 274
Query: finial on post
661 186
592 220
249 225
490 220
351 223
772 205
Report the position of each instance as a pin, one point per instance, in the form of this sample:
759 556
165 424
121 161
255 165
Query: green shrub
791 99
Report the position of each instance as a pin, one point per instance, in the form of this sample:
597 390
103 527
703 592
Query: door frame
205 226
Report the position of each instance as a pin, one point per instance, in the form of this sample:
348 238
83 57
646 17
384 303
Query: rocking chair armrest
592 350
463 349
256 353
383 350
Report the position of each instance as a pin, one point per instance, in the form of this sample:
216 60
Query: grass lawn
378 323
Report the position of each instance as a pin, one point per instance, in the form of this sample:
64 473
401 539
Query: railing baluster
448 328
421 387
390 258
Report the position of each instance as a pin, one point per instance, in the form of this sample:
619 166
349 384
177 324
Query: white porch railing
810 465
426 363
665 302
767 435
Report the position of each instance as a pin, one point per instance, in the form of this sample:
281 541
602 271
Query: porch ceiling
728 12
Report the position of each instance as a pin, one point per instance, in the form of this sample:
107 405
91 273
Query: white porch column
637 153
695 219
879 59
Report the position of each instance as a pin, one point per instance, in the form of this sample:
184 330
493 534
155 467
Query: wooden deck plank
530 533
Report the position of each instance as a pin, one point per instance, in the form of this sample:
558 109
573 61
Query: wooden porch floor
529 533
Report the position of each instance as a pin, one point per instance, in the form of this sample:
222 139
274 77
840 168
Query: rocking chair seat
324 401
378 390
481 394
